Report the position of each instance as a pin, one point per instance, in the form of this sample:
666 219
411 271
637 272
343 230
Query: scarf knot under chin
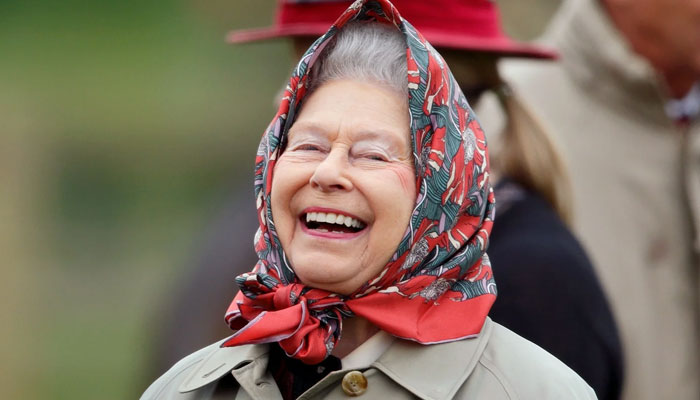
305 322
438 285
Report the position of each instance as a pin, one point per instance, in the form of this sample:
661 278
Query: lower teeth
326 230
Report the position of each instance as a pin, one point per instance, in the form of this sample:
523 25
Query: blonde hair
529 156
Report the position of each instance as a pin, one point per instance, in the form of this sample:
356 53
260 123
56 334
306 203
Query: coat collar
219 362
398 362
404 363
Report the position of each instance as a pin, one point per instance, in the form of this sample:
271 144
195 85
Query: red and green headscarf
438 285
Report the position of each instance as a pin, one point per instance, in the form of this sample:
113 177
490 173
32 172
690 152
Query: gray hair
366 51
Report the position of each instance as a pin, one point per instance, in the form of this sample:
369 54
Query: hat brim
501 46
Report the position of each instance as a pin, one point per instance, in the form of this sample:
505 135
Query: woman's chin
339 265
328 274
332 256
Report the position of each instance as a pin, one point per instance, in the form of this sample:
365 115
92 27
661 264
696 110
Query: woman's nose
331 173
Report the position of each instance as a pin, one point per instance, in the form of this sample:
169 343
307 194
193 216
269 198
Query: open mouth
331 222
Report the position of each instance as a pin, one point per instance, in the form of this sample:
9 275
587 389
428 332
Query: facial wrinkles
307 135
357 146
403 177
390 142
395 160
364 148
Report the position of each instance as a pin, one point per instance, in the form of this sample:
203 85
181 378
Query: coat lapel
219 363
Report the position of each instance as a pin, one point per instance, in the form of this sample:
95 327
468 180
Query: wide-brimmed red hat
456 24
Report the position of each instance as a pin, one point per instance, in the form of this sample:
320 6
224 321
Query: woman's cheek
386 172
405 176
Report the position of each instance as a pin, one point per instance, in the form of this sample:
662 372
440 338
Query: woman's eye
375 157
370 155
308 147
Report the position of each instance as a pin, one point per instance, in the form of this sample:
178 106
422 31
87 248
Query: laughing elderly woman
375 209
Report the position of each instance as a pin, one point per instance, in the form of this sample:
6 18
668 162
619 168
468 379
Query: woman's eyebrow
307 128
377 134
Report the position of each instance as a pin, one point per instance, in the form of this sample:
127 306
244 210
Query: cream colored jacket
498 364
636 180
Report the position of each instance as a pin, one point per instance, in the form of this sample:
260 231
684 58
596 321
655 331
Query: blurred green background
124 125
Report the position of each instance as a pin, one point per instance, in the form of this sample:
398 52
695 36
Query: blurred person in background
566 313
392 301
624 104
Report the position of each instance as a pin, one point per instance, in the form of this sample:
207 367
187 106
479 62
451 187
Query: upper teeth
332 218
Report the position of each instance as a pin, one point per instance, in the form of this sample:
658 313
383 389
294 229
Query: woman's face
343 190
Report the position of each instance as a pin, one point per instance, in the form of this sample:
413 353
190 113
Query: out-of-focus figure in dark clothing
624 105
569 301
565 313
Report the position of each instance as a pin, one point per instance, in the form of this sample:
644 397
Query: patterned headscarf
438 285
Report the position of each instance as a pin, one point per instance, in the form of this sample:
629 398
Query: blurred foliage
123 126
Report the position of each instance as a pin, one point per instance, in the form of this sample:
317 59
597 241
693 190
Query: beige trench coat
498 364
636 178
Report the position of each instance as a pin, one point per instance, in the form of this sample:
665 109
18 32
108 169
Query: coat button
354 383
